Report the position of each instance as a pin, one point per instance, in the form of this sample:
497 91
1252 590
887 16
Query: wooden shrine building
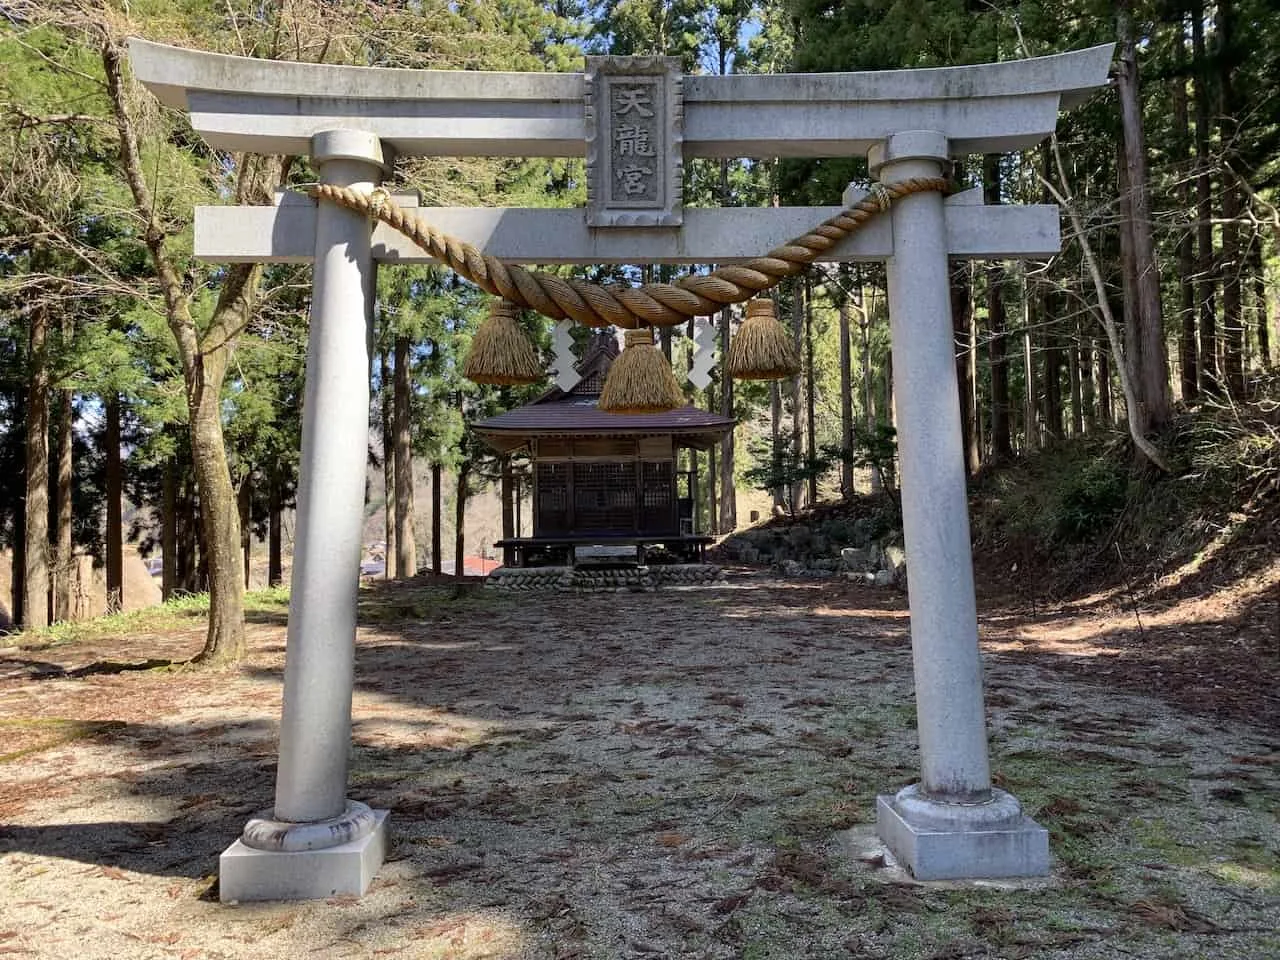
604 485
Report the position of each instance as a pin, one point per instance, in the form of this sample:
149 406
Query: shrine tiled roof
574 413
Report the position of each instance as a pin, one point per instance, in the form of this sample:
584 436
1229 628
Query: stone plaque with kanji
634 133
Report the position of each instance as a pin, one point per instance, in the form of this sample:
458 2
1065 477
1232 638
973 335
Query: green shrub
1090 499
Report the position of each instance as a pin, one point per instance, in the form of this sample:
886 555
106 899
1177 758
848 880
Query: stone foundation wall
603 579
823 547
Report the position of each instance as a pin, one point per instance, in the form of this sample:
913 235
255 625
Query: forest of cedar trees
150 401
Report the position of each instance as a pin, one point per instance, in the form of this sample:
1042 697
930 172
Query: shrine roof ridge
579 415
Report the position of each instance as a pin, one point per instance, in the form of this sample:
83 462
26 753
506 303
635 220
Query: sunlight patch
1244 875
468 935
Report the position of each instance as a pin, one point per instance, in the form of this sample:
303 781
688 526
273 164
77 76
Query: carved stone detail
634 121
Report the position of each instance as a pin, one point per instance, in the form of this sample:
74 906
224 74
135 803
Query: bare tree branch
178 309
1149 450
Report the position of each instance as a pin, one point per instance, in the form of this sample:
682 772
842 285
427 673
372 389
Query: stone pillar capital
358 145
908 145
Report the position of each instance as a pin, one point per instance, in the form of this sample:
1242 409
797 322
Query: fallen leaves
727 905
1170 914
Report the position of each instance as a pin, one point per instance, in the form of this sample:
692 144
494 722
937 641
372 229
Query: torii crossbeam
635 121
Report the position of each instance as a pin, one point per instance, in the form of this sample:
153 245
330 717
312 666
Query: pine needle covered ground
680 774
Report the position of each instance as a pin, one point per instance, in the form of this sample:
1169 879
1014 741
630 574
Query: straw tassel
640 379
762 347
501 351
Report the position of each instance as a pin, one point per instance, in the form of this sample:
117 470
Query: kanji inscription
634 119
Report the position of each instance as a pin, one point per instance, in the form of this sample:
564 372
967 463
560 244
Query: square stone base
1020 850
248 874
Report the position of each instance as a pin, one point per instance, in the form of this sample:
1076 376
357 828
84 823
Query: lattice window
657 487
604 496
552 516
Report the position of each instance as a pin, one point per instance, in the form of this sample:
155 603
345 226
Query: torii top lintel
265 106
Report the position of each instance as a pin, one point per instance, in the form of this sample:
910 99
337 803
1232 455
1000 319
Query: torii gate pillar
952 823
315 842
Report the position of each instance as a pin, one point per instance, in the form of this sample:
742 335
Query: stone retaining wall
603 579
829 544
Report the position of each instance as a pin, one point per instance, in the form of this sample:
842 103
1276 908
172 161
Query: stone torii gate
636 120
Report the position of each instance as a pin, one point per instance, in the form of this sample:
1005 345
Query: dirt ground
676 774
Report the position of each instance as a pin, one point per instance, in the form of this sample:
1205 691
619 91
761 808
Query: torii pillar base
953 841
246 874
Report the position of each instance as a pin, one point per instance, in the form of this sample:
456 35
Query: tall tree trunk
436 507
1232 299
1133 341
406 547
1262 312
1154 362
1106 414
728 484
961 323
1188 348
115 518
728 517
775 433
19 569
1232 206
1053 363
244 501
846 400
275 571
1077 393
975 393
188 537
387 418
1088 390
460 523
1206 271
997 342
868 379
168 529
810 393
797 391
219 519
889 475
64 559
1030 420
35 581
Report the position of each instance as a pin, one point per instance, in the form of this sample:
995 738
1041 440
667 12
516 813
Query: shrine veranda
635 120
